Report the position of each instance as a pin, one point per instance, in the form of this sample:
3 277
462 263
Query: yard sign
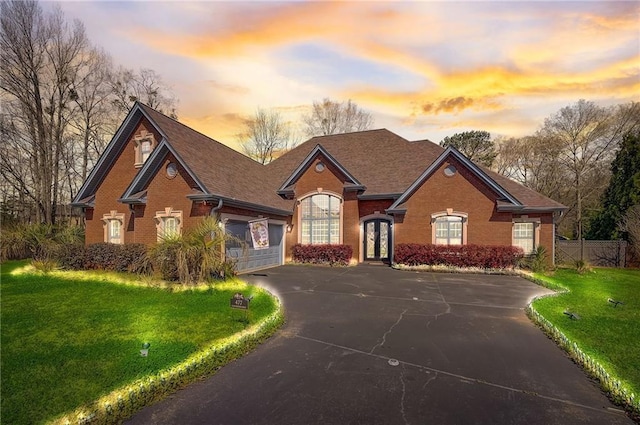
259 233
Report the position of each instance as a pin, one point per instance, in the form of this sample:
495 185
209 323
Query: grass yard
66 342
608 334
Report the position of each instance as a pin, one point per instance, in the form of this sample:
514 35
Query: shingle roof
222 170
381 160
386 163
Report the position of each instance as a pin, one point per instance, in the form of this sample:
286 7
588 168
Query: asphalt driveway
372 345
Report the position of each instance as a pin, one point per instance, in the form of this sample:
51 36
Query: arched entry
377 240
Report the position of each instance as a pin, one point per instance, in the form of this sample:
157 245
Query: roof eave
378 196
318 149
238 203
529 209
398 211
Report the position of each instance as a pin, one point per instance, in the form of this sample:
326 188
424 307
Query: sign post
240 302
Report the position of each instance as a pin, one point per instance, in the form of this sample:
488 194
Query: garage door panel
249 259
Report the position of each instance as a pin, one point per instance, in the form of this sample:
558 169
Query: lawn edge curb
610 384
123 402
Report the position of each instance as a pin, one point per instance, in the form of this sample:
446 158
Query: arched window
113 227
168 223
449 228
320 219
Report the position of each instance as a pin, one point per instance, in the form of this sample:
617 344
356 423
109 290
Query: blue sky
422 69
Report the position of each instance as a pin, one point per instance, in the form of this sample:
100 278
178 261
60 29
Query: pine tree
622 193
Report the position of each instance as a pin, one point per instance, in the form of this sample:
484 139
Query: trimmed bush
322 254
482 256
103 256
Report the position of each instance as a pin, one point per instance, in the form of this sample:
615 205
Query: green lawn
608 334
66 342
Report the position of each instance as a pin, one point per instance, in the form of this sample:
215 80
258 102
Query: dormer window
145 150
143 146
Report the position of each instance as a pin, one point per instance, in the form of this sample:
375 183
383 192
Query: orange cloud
279 25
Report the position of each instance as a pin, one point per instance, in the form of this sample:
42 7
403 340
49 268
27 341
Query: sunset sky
424 70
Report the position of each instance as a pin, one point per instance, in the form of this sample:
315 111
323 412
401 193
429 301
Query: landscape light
145 349
571 315
615 302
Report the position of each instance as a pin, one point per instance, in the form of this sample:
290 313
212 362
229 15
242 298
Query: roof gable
505 197
383 162
286 189
149 170
111 153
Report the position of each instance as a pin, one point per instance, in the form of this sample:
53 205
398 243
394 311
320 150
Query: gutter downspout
215 210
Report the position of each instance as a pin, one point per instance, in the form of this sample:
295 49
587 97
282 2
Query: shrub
322 254
538 261
487 257
195 256
38 241
44 266
103 256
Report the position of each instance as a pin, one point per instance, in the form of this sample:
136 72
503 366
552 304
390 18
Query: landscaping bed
602 337
69 339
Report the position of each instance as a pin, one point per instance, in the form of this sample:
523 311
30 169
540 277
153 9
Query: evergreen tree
622 193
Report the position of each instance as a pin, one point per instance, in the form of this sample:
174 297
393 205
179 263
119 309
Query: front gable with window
452 205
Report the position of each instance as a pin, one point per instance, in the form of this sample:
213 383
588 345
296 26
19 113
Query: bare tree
533 162
587 137
95 118
40 56
630 223
145 86
330 117
265 136
58 107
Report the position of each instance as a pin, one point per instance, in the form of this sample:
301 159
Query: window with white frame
320 219
143 146
145 150
168 223
448 230
113 227
524 236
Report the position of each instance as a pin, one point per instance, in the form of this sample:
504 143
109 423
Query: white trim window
145 150
114 231
320 217
168 223
113 227
524 236
449 227
448 230
143 146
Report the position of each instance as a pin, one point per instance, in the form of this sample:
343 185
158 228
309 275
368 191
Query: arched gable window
449 228
320 219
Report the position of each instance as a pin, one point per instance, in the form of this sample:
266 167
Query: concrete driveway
372 345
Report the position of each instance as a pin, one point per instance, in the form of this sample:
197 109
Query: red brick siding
370 207
465 193
164 192
113 186
330 180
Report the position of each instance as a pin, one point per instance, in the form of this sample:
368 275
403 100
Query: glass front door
377 236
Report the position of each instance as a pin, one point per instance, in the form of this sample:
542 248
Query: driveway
372 345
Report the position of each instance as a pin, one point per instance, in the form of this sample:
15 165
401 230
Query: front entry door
377 238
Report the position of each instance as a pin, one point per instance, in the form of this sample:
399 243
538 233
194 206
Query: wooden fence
596 253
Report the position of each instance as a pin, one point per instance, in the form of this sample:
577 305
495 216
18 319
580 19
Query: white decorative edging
125 401
613 386
443 268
